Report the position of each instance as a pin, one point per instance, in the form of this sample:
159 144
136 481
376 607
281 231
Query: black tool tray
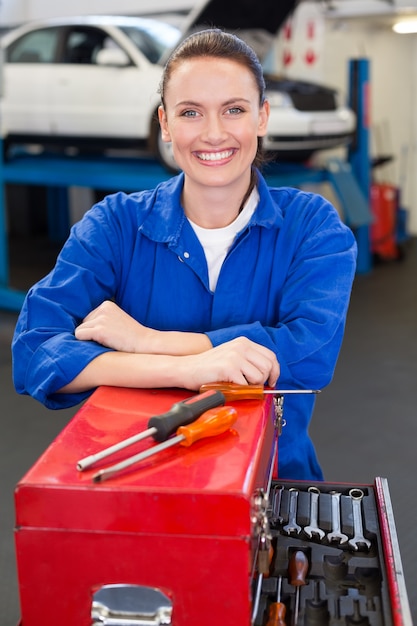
346 583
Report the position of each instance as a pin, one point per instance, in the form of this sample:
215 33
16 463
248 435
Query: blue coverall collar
165 221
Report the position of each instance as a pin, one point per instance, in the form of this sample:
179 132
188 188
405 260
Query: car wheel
165 154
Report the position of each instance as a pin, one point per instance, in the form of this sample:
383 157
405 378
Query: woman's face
213 118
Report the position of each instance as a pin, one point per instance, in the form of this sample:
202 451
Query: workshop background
364 424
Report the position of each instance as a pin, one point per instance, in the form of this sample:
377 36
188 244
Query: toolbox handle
130 605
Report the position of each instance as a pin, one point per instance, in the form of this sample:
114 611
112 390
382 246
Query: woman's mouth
214 156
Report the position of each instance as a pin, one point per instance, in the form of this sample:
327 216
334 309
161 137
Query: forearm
175 343
157 369
123 369
110 326
240 361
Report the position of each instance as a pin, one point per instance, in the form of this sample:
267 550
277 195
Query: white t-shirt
216 242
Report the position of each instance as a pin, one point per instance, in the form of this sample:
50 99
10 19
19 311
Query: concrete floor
365 422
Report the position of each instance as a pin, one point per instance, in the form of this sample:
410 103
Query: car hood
255 21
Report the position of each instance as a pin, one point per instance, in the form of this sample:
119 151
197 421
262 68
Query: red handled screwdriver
211 423
233 391
298 569
161 427
277 609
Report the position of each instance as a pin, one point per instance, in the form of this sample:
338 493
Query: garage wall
14 12
393 86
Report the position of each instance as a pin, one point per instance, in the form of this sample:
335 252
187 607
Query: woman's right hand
240 361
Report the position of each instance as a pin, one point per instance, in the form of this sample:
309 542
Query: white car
92 82
88 81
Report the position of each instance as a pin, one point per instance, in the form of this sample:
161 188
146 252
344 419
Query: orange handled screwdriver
161 427
298 569
213 422
233 391
277 609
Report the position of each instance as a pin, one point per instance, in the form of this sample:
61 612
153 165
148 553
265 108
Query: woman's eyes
230 111
234 110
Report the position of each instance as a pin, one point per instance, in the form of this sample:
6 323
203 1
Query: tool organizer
346 582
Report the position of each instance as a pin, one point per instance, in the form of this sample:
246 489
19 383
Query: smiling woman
212 276
213 116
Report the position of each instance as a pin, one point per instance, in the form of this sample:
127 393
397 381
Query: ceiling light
405 27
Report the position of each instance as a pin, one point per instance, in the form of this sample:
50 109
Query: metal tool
233 391
277 491
277 610
336 534
313 527
211 423
356 496
161 427
292 526
297 569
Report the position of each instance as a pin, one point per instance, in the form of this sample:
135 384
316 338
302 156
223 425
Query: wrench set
336 526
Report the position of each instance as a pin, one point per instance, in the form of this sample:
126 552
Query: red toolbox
179 538
180 522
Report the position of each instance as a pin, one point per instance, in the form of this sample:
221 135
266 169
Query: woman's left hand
110 326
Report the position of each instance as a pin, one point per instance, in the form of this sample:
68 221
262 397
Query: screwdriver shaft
277 392
136 458
93 458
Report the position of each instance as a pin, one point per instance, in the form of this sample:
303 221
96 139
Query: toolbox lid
202 489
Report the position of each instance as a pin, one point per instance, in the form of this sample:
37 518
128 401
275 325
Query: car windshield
153 39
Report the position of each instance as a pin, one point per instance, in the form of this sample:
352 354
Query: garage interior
364 423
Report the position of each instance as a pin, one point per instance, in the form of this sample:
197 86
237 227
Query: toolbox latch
130 605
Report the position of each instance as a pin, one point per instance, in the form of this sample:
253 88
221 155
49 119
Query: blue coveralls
285 284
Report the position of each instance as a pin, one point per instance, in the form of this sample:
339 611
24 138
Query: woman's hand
240 361
110 326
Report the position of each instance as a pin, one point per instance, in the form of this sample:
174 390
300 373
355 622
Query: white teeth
215 156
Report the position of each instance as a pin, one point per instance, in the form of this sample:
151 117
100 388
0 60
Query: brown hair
214 42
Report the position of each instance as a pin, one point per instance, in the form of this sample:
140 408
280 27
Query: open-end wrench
313 527
276 504
356 496
292 526
336 534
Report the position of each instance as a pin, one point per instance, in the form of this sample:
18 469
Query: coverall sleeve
45 353
311 310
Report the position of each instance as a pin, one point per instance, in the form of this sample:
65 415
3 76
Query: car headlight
278 99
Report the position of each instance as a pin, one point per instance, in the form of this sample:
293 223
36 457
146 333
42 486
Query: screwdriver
161 427
277 609
211 423
298 569
233 391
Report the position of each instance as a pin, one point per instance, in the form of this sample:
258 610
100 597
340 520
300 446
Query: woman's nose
214 130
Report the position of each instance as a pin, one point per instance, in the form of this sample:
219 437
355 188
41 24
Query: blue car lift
349 180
